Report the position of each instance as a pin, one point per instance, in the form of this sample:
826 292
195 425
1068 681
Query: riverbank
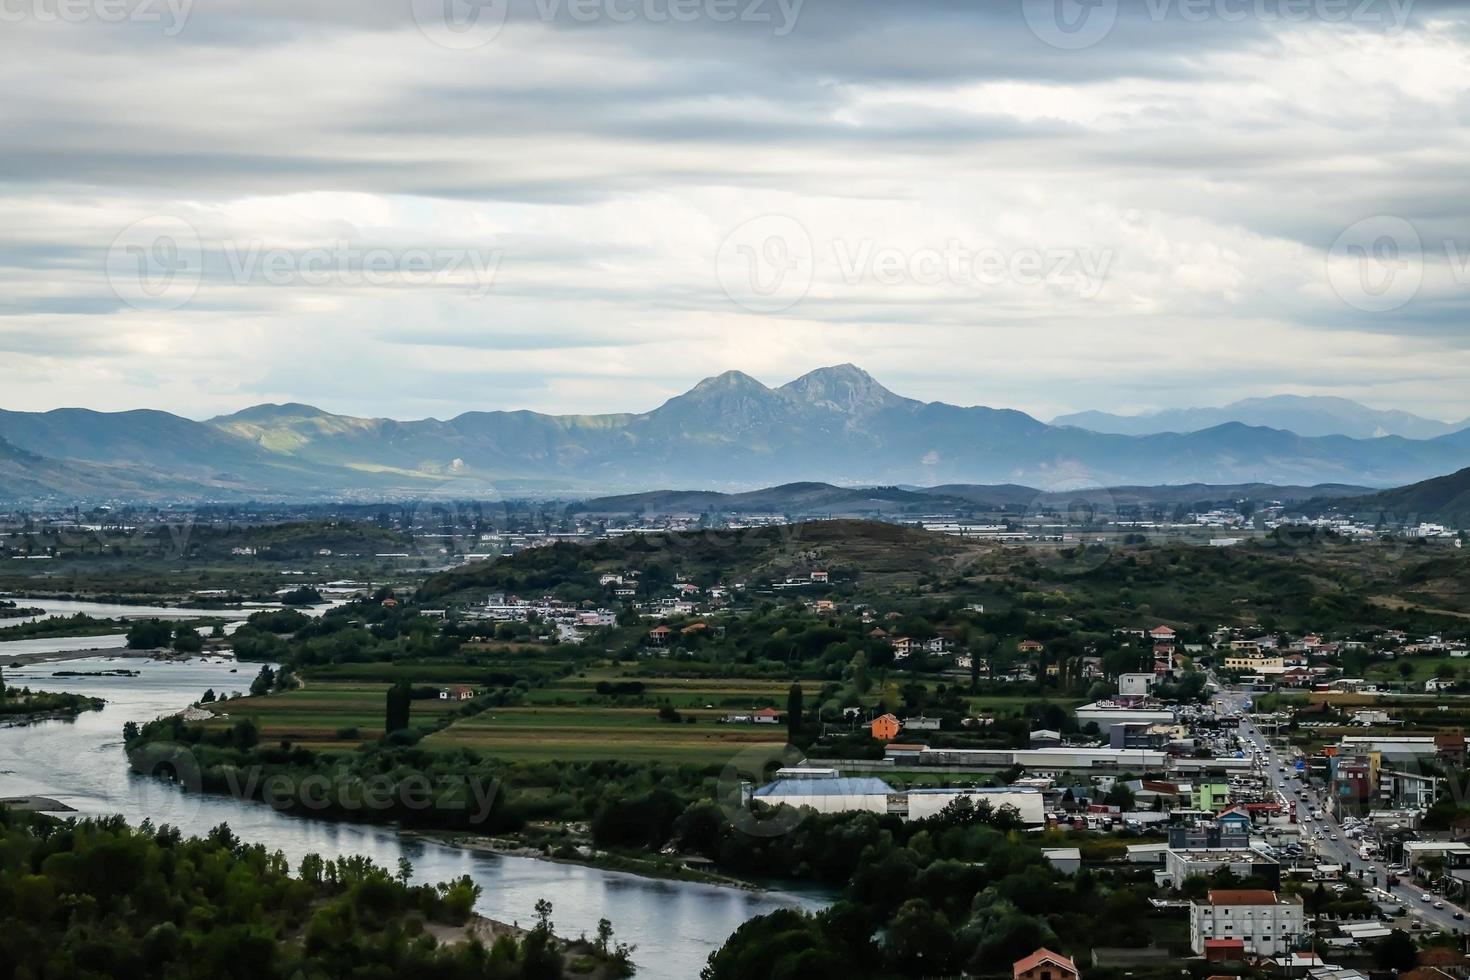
657 866
36 804
32 707
56 656
675 924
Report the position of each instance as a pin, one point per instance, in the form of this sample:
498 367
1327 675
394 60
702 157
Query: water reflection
674 924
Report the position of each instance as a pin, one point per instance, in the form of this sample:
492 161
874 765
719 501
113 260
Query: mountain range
835 425
1314 415
826 500
1443 499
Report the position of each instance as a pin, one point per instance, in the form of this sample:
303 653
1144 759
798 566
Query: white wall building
1134 685
1261 919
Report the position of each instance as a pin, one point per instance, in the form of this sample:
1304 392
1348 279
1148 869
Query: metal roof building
831 795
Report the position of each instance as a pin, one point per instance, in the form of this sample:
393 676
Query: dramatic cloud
587 205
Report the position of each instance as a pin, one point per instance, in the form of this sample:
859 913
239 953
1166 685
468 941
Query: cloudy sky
587 205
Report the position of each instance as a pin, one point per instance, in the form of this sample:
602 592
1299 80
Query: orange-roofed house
885 728
1044 965
659 634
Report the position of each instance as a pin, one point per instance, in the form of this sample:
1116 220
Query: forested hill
869 552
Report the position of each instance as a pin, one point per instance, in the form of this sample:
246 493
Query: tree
208 696
264 681
793 712
1119 795
919 938
2 684
400 703
1396 951
149 634
187 639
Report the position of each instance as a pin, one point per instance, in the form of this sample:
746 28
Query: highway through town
1334 846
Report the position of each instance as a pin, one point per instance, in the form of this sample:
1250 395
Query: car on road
1439 905
1459 915
1425 898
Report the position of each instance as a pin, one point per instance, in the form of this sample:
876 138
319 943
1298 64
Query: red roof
1224 944
767 713
1039 957
1242 896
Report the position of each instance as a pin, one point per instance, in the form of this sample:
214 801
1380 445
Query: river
107 610
675 925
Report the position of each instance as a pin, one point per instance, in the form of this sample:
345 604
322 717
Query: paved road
1341 851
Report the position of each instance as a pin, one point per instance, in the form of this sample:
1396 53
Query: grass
1424 668
581 733
566 719
312 717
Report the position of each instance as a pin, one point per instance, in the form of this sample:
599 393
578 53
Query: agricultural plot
531 733
322 715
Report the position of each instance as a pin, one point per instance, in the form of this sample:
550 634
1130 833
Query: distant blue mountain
835 425
1304 415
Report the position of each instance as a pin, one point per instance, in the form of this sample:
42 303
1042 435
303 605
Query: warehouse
828 793
1048 760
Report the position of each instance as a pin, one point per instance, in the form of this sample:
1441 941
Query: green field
1390 671
561 718
628 734
312 717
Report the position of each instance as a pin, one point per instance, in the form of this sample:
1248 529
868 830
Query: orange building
885 728
1044 965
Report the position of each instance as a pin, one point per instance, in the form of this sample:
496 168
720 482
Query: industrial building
826 791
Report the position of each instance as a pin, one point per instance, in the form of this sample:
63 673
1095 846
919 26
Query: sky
578 206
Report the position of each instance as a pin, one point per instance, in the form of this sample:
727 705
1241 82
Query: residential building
1244 862
1044 965
1199 836
885 728
1259 918
1135 685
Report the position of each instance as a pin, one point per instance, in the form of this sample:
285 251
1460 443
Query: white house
1262 920
1135 685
